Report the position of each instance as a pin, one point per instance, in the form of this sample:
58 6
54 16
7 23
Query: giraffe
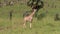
29 18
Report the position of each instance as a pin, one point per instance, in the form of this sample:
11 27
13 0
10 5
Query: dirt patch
3 28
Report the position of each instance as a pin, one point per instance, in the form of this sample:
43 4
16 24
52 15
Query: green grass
45 26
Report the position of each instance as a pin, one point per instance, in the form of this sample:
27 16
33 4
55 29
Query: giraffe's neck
34 10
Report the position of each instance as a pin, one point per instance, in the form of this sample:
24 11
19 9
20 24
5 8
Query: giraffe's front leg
24 24
31 23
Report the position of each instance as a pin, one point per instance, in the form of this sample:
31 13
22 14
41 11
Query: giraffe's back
28 18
